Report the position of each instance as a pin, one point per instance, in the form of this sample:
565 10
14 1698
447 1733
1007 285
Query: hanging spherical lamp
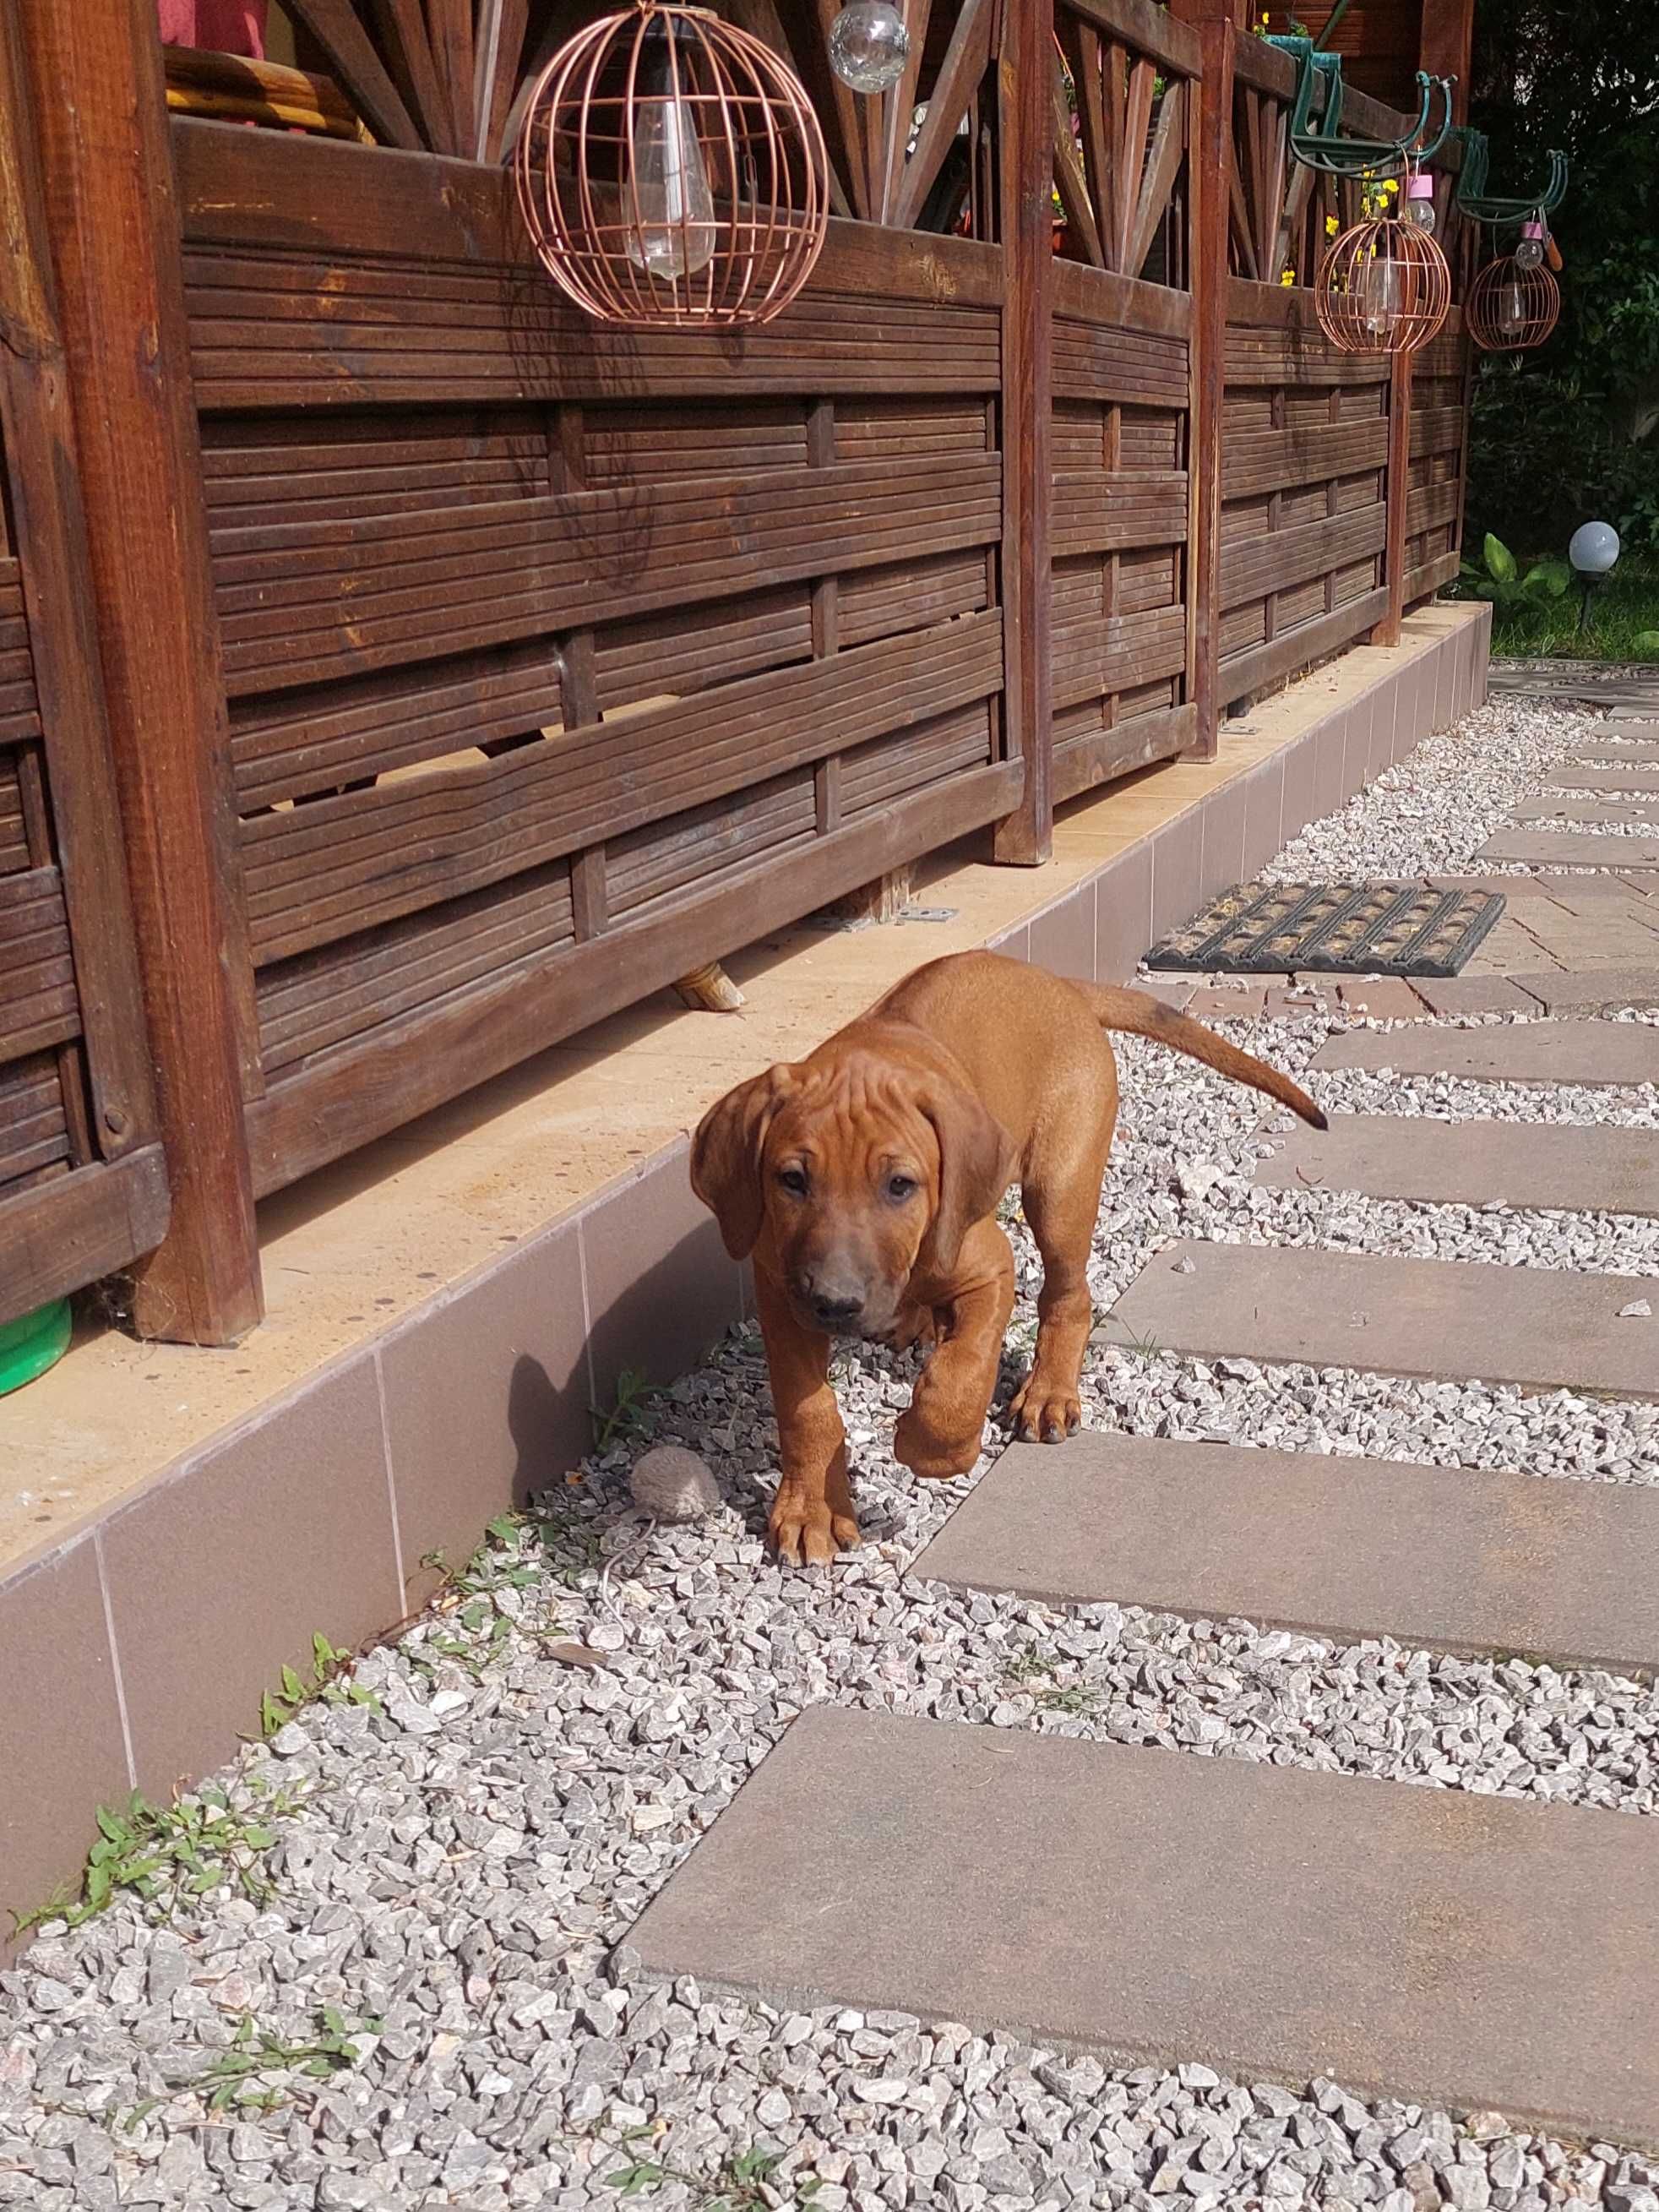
1384 287
869 45
1511 307
671 172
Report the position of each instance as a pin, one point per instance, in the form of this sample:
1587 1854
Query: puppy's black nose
836 1312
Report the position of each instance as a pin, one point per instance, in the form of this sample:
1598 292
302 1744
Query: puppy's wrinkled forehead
848 1114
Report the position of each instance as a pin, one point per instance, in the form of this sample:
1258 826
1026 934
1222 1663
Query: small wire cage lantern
672 172
1510 307
1384 287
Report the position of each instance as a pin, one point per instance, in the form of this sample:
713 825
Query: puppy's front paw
1044 1412
807 1531
934 1458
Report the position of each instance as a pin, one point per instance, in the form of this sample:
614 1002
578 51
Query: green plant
241 2079
630 1418
331 1683
746 2183
199 1843
1498 577
1032 1672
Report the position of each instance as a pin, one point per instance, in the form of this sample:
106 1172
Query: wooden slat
1086 762
1422 582
966 59
262 190
1091 363
1094 512
313 872
1169 149
1147 29
1281 558
38 1003
337 29
1255 461
1117 652
405 1067
14 837
1101 300
1432 507
1244 672
302 603
63 1234
34 1132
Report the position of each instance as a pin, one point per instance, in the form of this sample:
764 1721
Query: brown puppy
865 1178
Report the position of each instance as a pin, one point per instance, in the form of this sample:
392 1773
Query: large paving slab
1640 776
1634 812
1569 848
1629 746
1542 1327
1600 1054
1449 1559
1457 1950
1531 1163
1592 990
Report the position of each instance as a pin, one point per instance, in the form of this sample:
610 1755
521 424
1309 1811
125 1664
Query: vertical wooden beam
1025 106
101 114
1447 47
1386 632
1209 191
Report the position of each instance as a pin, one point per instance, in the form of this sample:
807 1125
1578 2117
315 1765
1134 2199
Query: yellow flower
1331 226
1391 186
1287 275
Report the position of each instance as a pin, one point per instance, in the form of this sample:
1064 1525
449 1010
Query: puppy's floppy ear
725 1156
977 1161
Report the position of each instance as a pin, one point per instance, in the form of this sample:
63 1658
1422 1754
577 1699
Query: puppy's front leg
940 1434
812 1518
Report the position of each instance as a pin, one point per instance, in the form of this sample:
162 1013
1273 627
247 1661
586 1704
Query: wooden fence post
101 112
1209 218
1386 632
1025 71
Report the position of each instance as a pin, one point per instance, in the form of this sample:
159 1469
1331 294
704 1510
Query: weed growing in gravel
330 1683
631 1421
744 2183
197 1843
243 2078
1032 1672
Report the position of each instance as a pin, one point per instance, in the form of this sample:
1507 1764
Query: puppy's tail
1137 1014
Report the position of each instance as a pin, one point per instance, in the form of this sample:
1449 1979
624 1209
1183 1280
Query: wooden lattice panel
1439 433
572 643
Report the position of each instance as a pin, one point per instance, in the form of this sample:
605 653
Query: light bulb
1511 309
675 216
869 45
1381 292
1419 204
1529 254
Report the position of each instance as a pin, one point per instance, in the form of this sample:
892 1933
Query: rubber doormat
1333 929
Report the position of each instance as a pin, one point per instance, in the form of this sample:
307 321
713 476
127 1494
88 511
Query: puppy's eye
901 1187
794 1180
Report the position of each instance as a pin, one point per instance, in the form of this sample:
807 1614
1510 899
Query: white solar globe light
1594 548
869 45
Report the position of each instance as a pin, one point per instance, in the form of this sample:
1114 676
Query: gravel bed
454 1865
1430 813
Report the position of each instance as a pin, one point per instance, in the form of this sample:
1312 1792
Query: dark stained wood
403 1068
1209 220
114 232
964 64
1447 44
1025 74
59 1235
1398 488
337 29
1161 35
58 644
1086 762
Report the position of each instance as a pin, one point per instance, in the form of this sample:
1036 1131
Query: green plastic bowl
30 1345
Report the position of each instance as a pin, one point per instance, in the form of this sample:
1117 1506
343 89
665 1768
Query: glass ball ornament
869 45
1594 547
1529 254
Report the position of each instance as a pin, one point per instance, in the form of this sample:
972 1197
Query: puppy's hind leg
1061 1200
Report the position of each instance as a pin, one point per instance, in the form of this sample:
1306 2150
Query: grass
1033 1672
744 2183
331 1683
262 2071
1622 609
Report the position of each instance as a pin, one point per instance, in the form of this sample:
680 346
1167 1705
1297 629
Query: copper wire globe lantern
1511 307
1384 287
671 172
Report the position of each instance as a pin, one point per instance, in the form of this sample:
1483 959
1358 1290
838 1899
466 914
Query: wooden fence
464 670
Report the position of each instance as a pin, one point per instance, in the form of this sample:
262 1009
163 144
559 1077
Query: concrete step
1580 991
1544 1329
1451 1558
1600 1054
1522 1163
1569 848
1457 1950
1628 745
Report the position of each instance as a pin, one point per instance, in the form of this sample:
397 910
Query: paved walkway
1465 1951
